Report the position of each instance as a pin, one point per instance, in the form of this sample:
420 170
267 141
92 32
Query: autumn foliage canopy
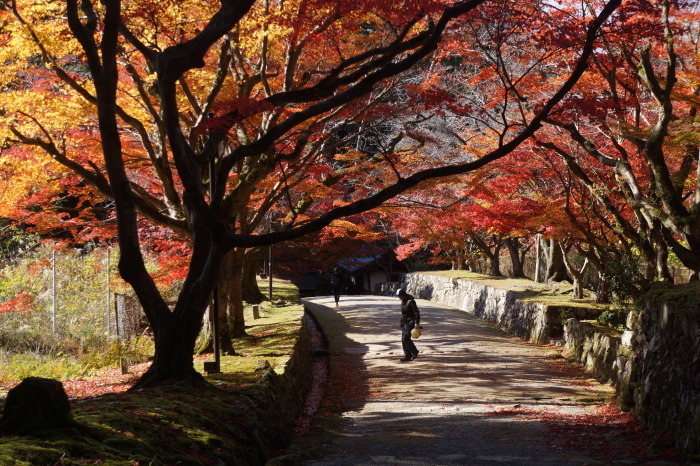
206 130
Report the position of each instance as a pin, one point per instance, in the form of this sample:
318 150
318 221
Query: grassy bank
227 420
557 294
683 298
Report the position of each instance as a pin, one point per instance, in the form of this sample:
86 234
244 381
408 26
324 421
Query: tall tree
211 184
629 140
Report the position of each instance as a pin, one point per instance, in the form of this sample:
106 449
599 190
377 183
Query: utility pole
109 293
269 273
214 367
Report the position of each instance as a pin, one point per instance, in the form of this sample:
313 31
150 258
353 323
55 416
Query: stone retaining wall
279 396
601 350
654 365
665 344
531 321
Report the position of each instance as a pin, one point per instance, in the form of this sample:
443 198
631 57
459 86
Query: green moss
205 438
217 423
682 298
615 318
23 451
625 351
602 329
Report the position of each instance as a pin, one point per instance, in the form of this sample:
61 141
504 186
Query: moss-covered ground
554 294
213 423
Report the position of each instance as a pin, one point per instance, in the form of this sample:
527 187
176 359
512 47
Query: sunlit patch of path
473 396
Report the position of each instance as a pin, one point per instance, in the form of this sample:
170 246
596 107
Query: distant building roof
355 264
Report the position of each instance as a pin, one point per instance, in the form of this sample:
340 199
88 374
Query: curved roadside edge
338 395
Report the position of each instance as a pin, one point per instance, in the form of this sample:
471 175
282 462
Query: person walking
336 284
410 318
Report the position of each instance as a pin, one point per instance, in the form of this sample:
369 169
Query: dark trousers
336 293
409 348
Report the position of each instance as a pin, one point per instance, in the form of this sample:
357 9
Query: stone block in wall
387 288
601 350
554 318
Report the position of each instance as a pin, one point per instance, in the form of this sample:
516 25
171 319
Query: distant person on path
410 318
336 284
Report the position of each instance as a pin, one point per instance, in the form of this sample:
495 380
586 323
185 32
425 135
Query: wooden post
217 347
53 292
256 311
109 293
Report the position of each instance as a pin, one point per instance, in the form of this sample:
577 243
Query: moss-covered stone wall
654 366
281 393
601 350
665 344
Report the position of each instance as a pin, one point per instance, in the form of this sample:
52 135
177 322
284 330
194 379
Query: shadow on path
474 396
348 371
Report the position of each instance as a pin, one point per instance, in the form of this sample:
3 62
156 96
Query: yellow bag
415 333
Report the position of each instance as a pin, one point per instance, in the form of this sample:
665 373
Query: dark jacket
337 280
410 315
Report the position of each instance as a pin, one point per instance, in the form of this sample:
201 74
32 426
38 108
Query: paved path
473 396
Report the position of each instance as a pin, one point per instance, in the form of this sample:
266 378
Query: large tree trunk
251 290
578 288
538 257
222 287
227 307
662 272
176 339
602 295
175 333
495 260
173 358
205 339
231 293
494 257
556 269
577 274
513 246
